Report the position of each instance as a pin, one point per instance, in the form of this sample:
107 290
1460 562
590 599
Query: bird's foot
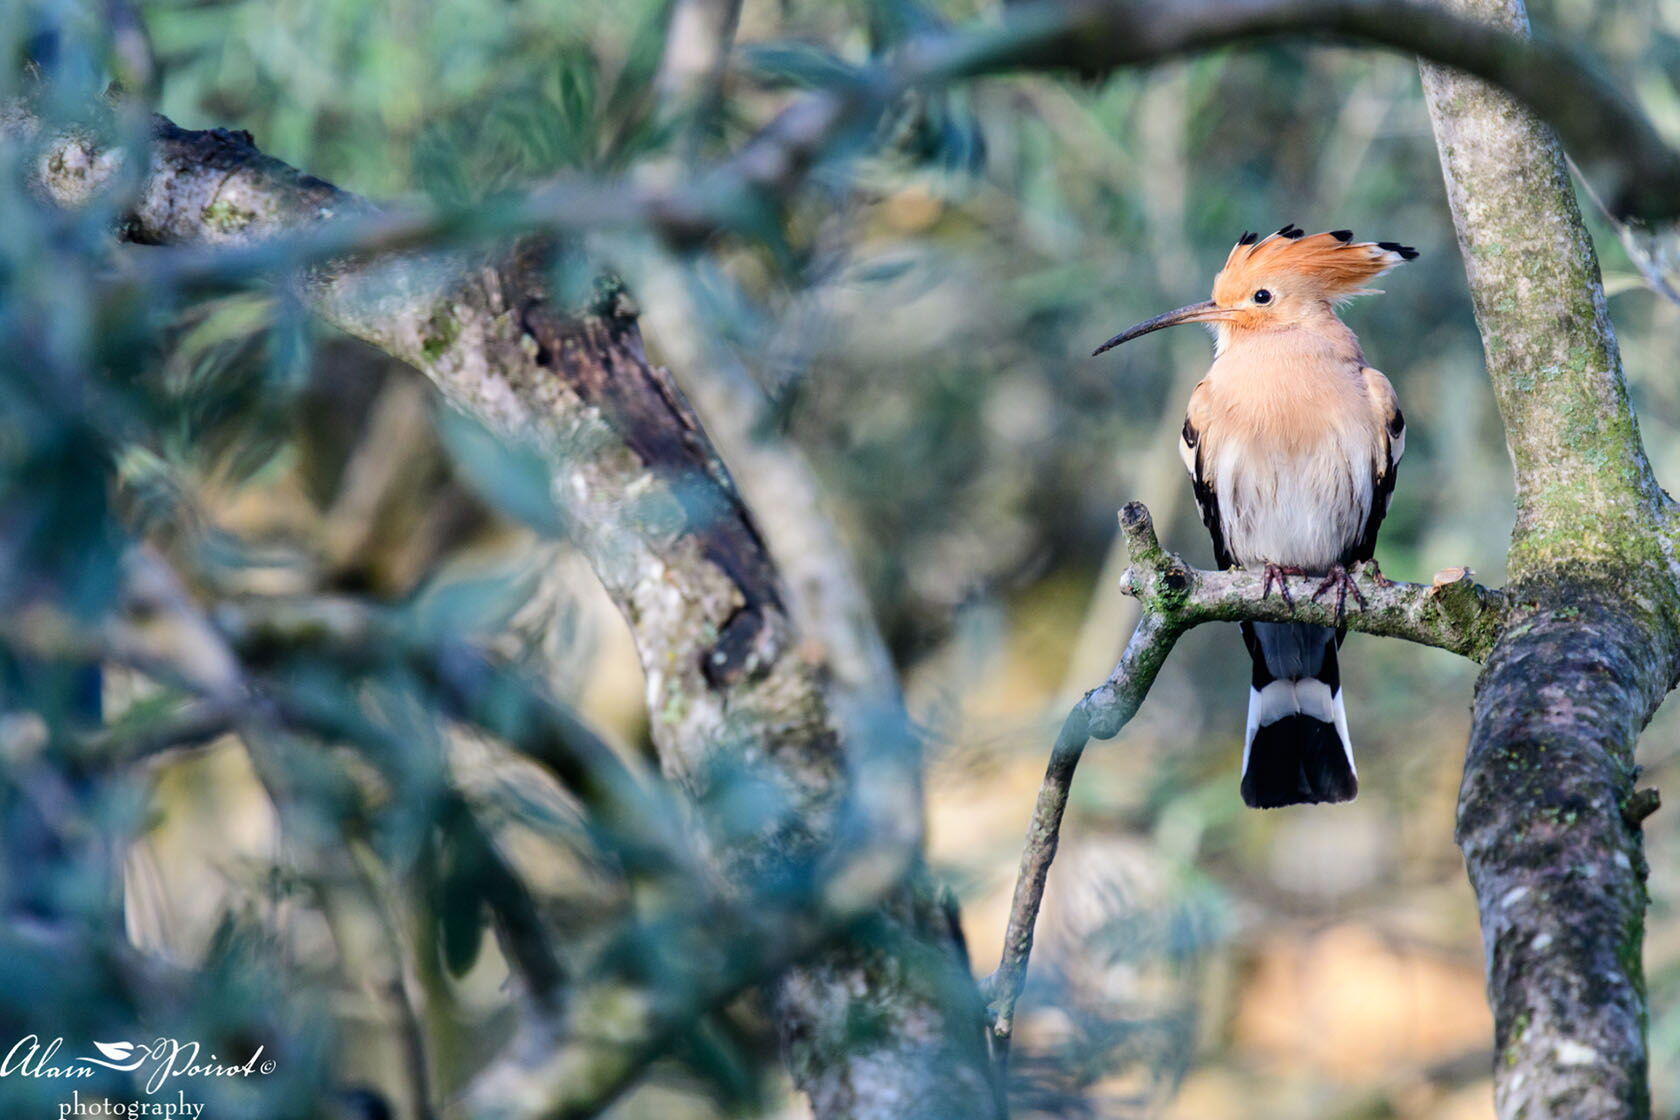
1277 575
1337 578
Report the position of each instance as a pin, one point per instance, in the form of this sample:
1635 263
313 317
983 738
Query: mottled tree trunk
1551 846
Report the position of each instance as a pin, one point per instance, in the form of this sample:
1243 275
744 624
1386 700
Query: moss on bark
1594 638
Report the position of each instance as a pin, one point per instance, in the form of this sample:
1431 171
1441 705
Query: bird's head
1280 281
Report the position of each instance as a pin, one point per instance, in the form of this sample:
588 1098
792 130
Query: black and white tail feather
1296 749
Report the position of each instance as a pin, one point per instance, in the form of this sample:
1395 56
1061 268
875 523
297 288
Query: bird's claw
1343 583
1278 575
1376 574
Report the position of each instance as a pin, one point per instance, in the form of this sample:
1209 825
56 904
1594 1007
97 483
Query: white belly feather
1303 508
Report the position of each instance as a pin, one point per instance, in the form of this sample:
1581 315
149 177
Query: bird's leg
1277 575
1338 578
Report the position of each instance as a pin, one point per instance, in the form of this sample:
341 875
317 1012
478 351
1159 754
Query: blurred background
921 327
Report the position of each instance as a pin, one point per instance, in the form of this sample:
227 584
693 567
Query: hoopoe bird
1292 443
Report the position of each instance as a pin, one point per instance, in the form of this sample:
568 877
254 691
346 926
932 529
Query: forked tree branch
1453 613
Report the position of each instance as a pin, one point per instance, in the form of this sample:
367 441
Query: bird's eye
1262 296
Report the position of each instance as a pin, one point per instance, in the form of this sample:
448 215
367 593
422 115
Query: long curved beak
1204 312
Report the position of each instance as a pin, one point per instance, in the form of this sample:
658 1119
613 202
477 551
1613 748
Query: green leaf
804 65
508 473
458 901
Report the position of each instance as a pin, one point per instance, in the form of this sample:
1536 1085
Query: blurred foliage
920 322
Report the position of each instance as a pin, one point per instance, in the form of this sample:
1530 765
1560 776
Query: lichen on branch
1452 612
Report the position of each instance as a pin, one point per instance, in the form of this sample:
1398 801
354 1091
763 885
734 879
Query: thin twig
132 738
1454 613
1636 241
1128 684
401 986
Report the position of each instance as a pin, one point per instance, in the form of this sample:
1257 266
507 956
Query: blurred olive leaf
801 65
227 385
457 896
508 474
447 610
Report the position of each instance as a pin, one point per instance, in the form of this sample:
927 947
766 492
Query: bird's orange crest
1331 266
1286 280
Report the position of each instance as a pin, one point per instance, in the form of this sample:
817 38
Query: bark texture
661 522
1553 853
826 593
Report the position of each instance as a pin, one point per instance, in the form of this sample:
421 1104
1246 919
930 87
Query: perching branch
1454 613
